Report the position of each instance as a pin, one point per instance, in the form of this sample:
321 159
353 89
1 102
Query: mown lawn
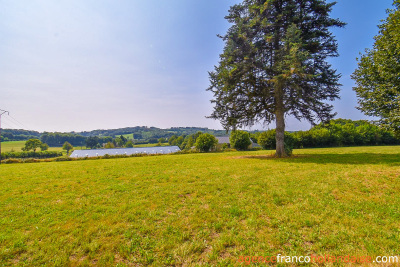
198 209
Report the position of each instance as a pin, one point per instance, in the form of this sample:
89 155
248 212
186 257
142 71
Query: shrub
267 139
205 142
129 144
240 140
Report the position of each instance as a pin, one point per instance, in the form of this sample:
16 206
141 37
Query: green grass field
194 209
17 145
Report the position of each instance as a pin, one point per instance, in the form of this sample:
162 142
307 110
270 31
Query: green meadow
200 209
17 145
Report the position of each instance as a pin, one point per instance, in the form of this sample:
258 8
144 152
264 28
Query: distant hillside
18 134
143 132
138 133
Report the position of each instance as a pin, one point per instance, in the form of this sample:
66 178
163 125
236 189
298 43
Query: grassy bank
201 208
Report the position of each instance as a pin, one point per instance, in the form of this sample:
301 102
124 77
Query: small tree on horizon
32 144
67 146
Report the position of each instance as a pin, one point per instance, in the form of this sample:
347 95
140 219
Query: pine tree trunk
280 123
280 134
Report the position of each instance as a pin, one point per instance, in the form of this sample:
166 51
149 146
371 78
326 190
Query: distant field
151 145
12 145
127 136
17 145
193 209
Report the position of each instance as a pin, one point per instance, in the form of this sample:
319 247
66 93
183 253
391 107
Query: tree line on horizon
338 132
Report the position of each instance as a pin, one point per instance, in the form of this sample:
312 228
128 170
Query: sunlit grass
201 208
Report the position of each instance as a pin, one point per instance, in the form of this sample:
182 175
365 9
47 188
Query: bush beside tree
240 140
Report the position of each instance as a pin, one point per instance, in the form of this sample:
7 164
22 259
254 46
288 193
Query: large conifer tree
274 64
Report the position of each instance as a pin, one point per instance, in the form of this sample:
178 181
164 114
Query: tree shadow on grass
351 158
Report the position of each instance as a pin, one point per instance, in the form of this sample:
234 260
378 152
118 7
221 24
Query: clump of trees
97 142
18 135
184 142
338 132
33 144
58 139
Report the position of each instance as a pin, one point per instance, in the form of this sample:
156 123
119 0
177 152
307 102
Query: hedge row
31 154
337 133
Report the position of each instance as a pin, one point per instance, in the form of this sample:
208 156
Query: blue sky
72 65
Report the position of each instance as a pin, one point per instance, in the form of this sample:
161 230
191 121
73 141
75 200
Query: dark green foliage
18 135
275 63
267 140
240 140
31 154
205 142
92 142
377 76
58 139
97 142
